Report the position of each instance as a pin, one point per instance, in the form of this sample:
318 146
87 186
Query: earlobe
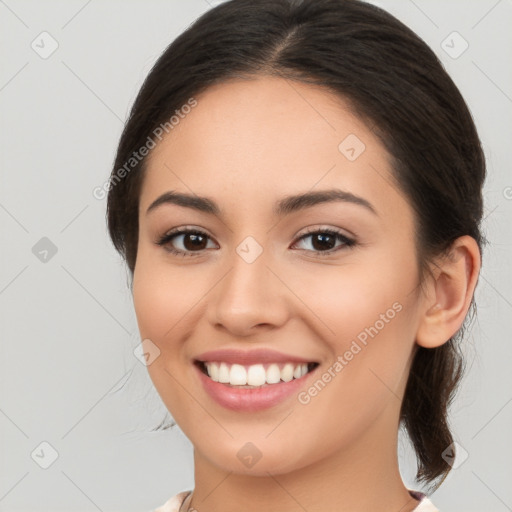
450 293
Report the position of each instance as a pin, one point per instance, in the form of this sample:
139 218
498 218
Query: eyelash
165 239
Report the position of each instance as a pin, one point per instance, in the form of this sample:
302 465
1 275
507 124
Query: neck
364 476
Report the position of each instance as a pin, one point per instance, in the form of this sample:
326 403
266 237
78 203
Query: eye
185 242
323 241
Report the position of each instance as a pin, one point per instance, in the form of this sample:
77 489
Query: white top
174 503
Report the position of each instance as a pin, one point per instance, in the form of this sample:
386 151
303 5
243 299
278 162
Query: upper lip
249 357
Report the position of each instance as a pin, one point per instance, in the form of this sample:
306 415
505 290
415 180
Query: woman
298 194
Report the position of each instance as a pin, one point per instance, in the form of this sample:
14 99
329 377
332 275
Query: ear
449 293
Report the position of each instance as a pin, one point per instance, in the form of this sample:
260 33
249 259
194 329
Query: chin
248 458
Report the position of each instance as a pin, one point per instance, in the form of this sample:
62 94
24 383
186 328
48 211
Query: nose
250 298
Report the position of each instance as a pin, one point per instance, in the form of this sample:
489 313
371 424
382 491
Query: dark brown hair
395 83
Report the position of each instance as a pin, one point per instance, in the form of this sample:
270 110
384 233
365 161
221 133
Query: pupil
197 241
326 241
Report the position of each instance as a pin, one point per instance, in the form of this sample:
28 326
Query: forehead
266 137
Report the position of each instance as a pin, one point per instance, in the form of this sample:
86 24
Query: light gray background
68 329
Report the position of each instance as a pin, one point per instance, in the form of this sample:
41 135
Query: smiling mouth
255 375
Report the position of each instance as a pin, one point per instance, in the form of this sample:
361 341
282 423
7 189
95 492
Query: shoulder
173 504
425 504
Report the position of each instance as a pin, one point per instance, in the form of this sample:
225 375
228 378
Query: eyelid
186 229
325 228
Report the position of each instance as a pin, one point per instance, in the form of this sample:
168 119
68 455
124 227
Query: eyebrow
285 206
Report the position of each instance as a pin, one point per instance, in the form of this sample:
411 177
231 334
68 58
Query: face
329 279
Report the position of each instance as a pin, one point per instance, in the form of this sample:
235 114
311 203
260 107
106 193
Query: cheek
349 299
164 295
369 312
167 300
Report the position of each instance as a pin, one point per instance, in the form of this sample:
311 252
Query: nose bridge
250 294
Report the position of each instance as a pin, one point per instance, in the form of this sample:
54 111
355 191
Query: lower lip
251 400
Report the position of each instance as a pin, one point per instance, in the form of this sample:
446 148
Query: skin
246 145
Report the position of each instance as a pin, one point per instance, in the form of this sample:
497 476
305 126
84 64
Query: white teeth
256 374
223 373
238 375
214 372
287 372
